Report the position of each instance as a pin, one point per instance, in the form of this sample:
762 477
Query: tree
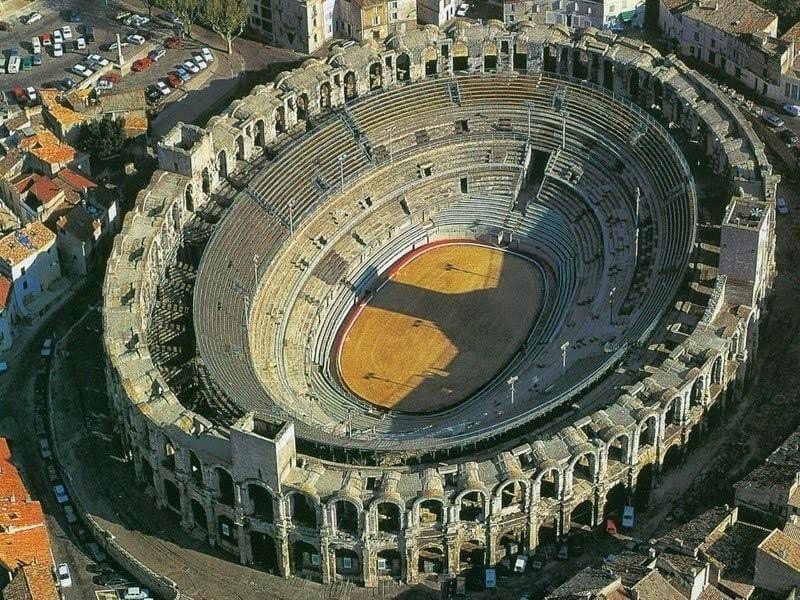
186 10
149 5
101 139
227 18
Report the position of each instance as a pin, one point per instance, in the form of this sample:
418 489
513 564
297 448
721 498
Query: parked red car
172 42
142 64
19 95
174 81
112 77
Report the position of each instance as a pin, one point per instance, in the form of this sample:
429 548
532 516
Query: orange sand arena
447 320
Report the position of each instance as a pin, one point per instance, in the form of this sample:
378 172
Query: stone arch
390 564
348 563
346 517
188 198
206 181
471 506
262 502
471 555
633 84
226 489
430 58
302 107
325 96
222 164
195 468
389 516
199 515
279 116
648 433
376 76
512 495
172 495
658 92
240 147
431 560
431 512
697 393
583 514
460 56
512 541
147 473
615 500
673 412
548 484
489 57
672 458
618 449
302 509
718 370
169 455
403 67
261 133
350 86
305 560
264 551
584 468
548 530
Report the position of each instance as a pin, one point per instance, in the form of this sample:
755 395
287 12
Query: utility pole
342 158
611 305
291 218
564 347
390 131
530 104
511 381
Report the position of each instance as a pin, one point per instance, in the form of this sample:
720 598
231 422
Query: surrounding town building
601 14
376 19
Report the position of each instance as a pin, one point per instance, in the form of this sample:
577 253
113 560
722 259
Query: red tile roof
5 294
45 190
76 180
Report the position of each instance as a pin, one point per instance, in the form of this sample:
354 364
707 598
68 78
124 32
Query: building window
376 20
696 36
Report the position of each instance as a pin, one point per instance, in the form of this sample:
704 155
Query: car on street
141 65
792 109
163 88
191 67
58 50
782 206
61 493
32 18
172 42
198 60
64 579
774 120
207 55
135 38
788 136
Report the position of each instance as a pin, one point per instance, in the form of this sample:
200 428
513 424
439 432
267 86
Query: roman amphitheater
432 302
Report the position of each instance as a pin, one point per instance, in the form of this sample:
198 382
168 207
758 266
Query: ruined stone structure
219 346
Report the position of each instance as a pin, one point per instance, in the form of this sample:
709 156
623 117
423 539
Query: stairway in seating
355 131
455 92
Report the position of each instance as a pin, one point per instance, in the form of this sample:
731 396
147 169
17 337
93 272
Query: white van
36 44
13 64
520 563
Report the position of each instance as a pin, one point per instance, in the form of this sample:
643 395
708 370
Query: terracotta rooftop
134 126
732 16
49 149
792 34
76 180
19 245
10 161
783 548
5 292
63 115
44 189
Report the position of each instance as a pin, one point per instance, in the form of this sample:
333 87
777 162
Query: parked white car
36 44
100 60
792 109
81 43
135 38
66 30
58 37
163 88
198 60
58 50
64 579
207 55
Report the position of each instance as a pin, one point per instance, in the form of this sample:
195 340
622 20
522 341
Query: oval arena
435 301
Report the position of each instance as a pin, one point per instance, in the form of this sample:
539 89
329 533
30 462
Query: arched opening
195 468
169 455
489 58
548 485
471 555
618 451
672 416
188 198
350 90
733 349
583 515
302 510
348 564
430 513
615 502
633 84
511 543
672 459
431 560
173 495
696 397
261 138
644 484
716 371
265 556
375 76
431 59
261 503
346 514
388 517
147 473
549 60
512 496
199 515
647 434
460 56
548 531
227 530
222 164
325 96
302 107
206 184
608 75
658 92
227 495
595 67
695 438
389 564
520 57
305 560
580 64
403 67
583 469
563 66
240 147
280 119
473 507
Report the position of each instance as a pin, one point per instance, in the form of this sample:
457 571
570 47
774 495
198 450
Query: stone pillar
187 519
245 549
327 560
369 566
283 550
451 550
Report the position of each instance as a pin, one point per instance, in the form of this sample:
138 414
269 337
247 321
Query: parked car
32 18
58 50
782 206
172 42
44 444
154 96
37 59
628 516
36 45
64 579
58 36
14 51
174 80
52 475
198 60
521 563
27 62
112 580
69 512
462 9
33 98
68 82
537 562
136 593
157 54
103 84
111 77
88 33
96 552
100 60
135 38
141 65
182 73
66 30
13 64
47 347
122 15
788 136
69 46
74 16
2 64
115 45
163 88
47 40
82 70
191 67
207 55
80 43
774 120
61 493
792 109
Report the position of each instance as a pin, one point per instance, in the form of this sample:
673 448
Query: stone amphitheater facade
275 478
